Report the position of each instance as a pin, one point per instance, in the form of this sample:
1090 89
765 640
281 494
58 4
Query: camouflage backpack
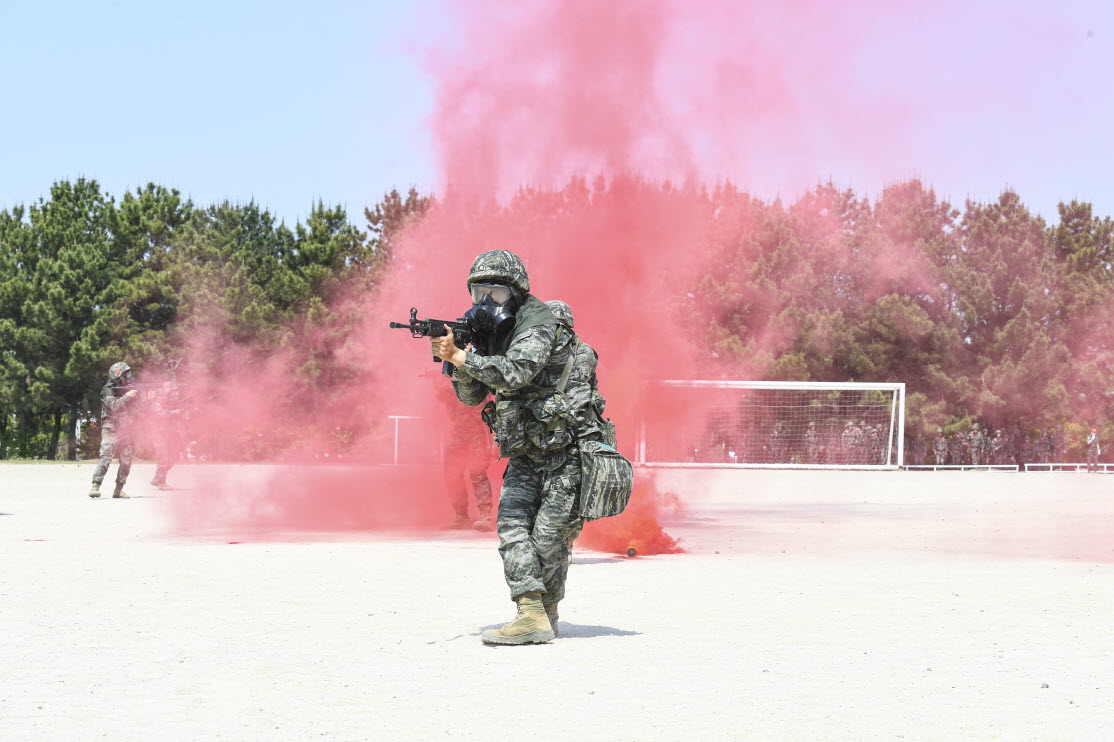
607 478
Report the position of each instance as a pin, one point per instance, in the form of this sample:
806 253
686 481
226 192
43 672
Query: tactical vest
536 420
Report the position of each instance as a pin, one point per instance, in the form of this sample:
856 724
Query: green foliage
967 308
986 312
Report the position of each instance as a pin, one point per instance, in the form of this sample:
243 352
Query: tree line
87 279
987 312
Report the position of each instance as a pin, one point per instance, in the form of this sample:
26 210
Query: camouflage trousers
537 523
114 444
167 448
468 459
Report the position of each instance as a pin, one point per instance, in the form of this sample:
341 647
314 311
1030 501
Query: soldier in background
813 446
166 409
1028 451
974 444
940 448
1008 452
468 453
779 444
955 448
1044 446
1093 451
847 443
920 448
1060 443
998 448
117 434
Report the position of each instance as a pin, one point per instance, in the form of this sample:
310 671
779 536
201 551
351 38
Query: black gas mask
492 314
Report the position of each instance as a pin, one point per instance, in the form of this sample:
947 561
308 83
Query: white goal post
773 425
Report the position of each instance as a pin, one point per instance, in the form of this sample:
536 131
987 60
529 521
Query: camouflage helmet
500 266
562 311
117 371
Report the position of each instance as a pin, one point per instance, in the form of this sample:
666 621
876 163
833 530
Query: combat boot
119 494
530 626
95 490
459 522
484 523
551 613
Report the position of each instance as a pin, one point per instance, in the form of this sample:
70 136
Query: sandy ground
810 606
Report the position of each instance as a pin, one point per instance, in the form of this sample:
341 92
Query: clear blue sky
287 102
281 102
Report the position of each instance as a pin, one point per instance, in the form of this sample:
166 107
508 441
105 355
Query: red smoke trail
613 91
637 530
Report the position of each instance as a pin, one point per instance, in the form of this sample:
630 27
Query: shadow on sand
568 631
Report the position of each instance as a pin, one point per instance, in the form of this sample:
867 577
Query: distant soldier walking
117 436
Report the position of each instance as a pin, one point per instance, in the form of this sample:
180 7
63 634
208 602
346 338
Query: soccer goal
774 425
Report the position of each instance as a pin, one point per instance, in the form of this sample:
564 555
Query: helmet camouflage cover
500 266
117 370
562 311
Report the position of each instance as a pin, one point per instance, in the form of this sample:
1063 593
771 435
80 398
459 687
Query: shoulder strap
568 364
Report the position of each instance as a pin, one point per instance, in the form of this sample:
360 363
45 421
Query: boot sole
532 637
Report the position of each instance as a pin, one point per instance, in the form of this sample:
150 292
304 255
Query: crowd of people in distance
862 443
980 447
850 444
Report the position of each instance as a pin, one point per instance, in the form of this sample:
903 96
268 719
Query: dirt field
810 606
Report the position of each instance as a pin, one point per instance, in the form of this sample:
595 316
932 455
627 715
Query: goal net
773 425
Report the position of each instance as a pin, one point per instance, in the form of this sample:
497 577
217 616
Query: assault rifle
159 386
463 333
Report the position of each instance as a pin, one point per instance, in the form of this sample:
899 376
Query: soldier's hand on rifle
445 348
131 393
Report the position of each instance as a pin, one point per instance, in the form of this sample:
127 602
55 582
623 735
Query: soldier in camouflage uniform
166 411
524 355
813 445
1044 446
1060 443
117 437
847 443
1094 450
974 443
955 448
920 449
467 455
940 448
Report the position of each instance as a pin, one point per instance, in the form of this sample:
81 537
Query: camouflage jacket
114 410
530 417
